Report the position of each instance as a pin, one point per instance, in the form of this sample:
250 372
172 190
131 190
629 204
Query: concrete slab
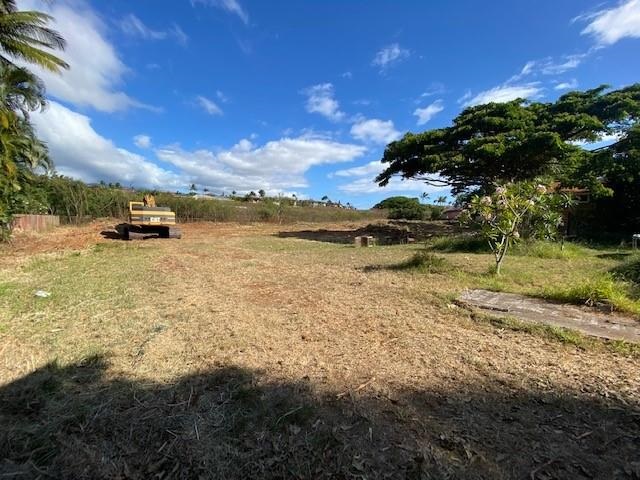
586 320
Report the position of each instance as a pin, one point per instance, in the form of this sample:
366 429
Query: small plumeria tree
501 215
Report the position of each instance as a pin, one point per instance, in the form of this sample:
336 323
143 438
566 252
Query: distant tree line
75 201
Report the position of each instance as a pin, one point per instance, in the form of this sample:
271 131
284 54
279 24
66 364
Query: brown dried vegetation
235 353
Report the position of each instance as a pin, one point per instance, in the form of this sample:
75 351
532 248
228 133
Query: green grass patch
551 250
459 243
534 248
629 270
424 262
565 336
6 288
91 280
603 289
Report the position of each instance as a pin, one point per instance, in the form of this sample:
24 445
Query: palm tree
20 91
24 35
441 200
21 152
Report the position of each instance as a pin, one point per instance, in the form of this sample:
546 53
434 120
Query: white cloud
567 85
96 70
436 88
375 130
390 55
367 185
142 141
605 139
347 75
79 151
231 6
320 100
503 93
275 166
610 25
370 169
209 106
427 113
550 66
364 182
134 27
177 32
221 96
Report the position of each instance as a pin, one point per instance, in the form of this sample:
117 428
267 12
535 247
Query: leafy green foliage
406 208
25 35
512 141
501 215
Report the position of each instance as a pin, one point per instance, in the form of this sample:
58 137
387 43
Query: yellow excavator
146 220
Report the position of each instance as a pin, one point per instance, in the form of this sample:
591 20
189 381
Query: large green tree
513 141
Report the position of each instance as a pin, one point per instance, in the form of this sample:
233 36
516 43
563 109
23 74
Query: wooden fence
35 223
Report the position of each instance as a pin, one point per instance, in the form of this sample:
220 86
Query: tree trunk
500 257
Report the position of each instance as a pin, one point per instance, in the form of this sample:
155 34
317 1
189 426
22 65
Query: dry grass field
266 351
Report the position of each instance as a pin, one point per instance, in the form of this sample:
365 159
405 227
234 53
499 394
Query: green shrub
405 208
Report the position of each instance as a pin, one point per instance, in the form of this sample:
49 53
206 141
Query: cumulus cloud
96 70
231 6
503 93
275 166
209 105
370 169
80 152
375 130
427 113
389 55
142 141
611 25
320 99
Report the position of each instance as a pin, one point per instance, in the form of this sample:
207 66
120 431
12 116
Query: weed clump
460 243
601 290
425 262
550 250
629 271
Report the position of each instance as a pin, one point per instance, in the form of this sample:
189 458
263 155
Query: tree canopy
514 141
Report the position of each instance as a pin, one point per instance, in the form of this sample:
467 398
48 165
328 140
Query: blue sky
302 96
